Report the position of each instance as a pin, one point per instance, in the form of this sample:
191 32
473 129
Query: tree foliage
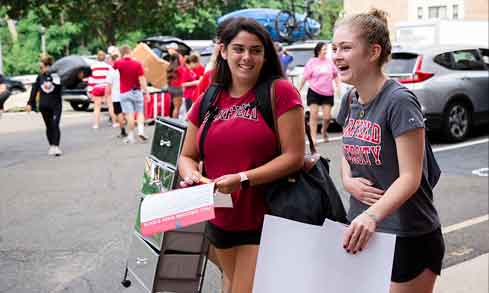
83 27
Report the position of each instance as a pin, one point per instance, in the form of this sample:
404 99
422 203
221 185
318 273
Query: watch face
245 183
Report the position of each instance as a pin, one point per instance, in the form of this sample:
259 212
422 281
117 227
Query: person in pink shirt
319 73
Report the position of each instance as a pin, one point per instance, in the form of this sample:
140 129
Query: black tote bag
308 196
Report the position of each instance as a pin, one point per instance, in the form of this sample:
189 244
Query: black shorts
317 99
117 107
415 254
223 239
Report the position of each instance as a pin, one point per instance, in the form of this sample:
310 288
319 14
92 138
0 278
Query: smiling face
351 56
245 55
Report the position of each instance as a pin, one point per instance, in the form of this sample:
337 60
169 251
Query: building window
455 11
420 12
437 12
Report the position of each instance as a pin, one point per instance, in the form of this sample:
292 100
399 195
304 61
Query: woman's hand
362 190
28 108
228 183
358 233
191 179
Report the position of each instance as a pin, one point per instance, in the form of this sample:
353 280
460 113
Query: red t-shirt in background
178 79
199 69
238 140
204 83
130 70
189 75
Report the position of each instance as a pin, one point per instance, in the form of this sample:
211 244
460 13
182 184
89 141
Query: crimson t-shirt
179 77
204 83
238 140
199 70
130 70
188 75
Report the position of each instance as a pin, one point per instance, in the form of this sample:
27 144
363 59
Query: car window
401 63
444 60
485 55
204 59
300 57
467 60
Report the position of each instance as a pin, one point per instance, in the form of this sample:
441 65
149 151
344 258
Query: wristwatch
243 179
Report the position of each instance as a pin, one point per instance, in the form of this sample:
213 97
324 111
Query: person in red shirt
195 64
176 74
132 80
194 72
204 84
172 49
240 150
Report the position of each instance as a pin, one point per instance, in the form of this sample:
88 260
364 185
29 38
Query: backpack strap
207 106
208 99
264 101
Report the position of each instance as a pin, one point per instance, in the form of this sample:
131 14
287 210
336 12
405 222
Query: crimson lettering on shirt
363 130
237 111
362 155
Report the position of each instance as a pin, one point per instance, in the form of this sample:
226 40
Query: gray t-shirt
369 133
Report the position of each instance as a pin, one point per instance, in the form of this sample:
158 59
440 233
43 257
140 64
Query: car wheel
457 121
79 106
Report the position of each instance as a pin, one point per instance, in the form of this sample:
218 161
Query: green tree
329 10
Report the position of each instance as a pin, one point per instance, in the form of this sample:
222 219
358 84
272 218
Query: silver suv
451 83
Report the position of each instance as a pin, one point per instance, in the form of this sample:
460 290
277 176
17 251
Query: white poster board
296 257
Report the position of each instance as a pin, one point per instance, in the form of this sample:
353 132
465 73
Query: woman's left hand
228 183
358 233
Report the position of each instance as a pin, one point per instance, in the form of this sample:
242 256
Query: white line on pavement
460 145
465 224
438 149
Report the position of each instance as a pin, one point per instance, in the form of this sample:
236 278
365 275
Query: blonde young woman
383 164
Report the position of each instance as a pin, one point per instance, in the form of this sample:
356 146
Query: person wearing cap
172 49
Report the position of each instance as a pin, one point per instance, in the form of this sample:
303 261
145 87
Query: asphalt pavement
65 222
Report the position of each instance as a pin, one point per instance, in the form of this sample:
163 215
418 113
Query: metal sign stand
174 261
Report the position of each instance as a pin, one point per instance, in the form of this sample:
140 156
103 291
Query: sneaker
142 137
122 135
95 126
51 151
129 140
115 125
57 151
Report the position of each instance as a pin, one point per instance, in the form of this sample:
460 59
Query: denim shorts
132 101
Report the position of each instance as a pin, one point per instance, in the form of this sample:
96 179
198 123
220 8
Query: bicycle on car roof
288 23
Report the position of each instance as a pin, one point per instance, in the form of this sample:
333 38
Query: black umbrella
68 68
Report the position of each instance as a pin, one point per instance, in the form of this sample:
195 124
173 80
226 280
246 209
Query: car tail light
418 75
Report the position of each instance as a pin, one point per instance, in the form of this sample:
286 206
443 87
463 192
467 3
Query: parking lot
66 222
